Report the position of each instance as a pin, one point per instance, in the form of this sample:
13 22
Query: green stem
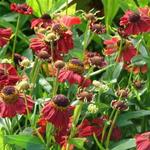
17 119
111 128
98 143
85 38
101 70
106 126
15 38
67 3
76 115
56 83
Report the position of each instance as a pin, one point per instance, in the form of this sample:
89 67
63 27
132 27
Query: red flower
111 46
8 75
65 43
128 53
73 73
135 22
13 103
5 35
69 21
44 22
143 141
136 69
38 44
21 8
57 111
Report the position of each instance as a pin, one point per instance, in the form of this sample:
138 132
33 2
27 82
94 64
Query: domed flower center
9 94
76 66
46 16
61 100
96 60
134 18
85 96
59 28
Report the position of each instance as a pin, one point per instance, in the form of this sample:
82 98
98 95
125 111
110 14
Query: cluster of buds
23 85
99 86
92 108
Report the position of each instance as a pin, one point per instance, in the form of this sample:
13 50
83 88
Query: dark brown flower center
76 66
119 105
134 18
46 16
61 100
8 90
9 94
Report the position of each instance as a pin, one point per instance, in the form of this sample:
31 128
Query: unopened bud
25 63
92 108
23 85
59 64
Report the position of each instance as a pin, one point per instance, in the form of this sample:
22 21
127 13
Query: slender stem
98 143
76 116
101 70
17 119
111 128
56 83
85 37
15 38
67 3
106 126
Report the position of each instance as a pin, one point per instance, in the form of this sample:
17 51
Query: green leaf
1 139
124 118
111 8
24 141
78 142
128 5
71 10
143 3
47 6
124 144
117 70
45 85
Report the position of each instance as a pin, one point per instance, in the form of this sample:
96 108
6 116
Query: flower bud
6 61
23 85
51 37
92 108
59 64
85 96
138 84
25 63
119 105
90 16
44 55
123 93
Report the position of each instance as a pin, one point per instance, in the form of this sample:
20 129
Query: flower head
8 75
5 35
57 111
13 103
21 8
111 46
135 22
142 141
73 73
